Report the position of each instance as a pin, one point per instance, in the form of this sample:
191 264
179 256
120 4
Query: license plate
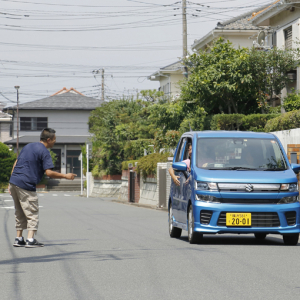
238 219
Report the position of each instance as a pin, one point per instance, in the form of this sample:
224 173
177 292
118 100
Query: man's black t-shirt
32 162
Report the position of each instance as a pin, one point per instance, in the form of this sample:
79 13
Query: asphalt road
99 249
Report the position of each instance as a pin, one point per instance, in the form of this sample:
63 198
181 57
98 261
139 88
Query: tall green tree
229 80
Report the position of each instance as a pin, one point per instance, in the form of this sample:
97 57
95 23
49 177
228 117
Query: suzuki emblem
249 188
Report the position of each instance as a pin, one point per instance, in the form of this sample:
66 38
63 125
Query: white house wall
4 132
67 122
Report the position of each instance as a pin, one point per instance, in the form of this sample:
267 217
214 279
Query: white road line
41 195
8 200
54 195
12 207
67 195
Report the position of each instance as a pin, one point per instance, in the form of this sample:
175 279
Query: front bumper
217 209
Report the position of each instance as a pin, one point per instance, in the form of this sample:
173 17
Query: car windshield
239 154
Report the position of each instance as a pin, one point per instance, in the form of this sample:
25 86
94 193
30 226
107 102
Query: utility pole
184 28
17 88
102 85
184 36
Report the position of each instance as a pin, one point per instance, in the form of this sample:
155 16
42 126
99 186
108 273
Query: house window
33 124
288 34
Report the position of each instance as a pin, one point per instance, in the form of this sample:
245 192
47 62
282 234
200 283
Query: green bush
254 122
135 149
290 120
257 122
7 159
125 164
292 101
226 121
147 165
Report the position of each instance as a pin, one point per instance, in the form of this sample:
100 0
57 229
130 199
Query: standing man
28 170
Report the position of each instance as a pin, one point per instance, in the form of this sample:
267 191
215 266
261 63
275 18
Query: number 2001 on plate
238 219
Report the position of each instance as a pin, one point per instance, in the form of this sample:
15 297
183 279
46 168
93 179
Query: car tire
260 236
291 239
174 232
193 236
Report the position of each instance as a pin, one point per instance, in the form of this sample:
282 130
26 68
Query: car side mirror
295 168
180 166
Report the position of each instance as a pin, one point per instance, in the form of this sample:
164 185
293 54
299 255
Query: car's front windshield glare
239 153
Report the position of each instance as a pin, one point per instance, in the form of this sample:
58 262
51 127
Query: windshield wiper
234 168
274 169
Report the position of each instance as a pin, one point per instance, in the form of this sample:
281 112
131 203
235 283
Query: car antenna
190 127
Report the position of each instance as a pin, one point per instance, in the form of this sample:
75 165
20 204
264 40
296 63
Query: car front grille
205 216
258 219
249 201
290 217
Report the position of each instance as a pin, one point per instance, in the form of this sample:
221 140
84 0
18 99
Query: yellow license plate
238 219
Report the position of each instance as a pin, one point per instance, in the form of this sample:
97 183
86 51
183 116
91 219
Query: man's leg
30 205
21 221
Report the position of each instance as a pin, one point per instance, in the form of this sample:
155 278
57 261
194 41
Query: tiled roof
241 22
173 67
68 100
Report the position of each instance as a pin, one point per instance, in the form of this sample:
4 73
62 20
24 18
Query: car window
231 153
180 150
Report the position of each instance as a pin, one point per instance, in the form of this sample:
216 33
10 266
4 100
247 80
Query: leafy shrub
7 159
166 140
257 122
292 101
135 149
147 165
226 121
125 164
254 122
285 121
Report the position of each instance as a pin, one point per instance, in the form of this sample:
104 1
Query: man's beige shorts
26 208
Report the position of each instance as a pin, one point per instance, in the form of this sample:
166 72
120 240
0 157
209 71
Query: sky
46 45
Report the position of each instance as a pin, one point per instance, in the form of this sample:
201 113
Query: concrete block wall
286 137
123 194
106 188
148 191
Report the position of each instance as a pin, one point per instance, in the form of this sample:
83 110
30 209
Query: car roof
230 134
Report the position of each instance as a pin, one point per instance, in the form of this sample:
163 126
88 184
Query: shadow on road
238 240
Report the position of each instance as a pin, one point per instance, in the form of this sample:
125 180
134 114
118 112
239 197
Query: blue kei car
238 182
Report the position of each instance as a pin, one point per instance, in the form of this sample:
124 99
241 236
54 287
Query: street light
17 88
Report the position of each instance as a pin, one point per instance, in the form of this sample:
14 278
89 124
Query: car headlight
286 200
289 187
207 198
206 186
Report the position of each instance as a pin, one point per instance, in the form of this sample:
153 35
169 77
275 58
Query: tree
229 80
220 80
7 159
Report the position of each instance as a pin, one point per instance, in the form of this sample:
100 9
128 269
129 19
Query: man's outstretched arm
53 174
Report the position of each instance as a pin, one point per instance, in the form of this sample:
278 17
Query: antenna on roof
190 127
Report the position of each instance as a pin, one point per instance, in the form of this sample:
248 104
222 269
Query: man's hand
9 189
176 180
70 176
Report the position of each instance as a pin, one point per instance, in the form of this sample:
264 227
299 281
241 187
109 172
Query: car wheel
260 236
291 239
174 232
194 237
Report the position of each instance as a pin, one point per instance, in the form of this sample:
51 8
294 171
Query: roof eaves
262 12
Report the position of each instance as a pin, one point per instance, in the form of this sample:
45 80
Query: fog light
286 200
207 198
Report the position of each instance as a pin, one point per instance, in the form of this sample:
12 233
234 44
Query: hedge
289 120
147 165
125 164
7 159
254 122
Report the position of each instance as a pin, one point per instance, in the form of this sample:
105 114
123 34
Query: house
5 125
66 111
282 20
169 77
238 30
